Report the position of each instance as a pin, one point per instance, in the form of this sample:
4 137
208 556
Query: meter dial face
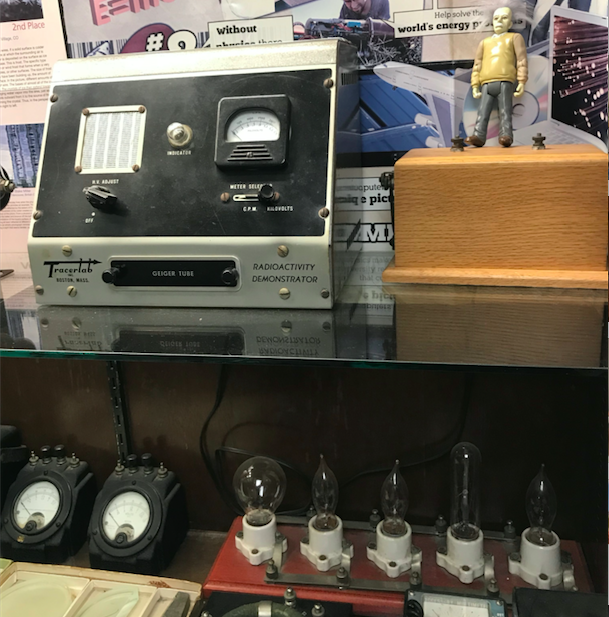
126 517
253 125
37 506
449 607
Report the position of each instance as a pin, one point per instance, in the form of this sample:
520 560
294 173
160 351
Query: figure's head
502 20
357 6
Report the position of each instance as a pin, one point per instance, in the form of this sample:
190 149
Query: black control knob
230 277
266 194
59 452
111 275
45 454
147 462
132 462
100 197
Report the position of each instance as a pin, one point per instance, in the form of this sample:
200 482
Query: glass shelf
372 325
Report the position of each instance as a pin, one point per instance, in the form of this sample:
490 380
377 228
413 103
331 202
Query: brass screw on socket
325 293
66 250
284 293
39 289
324 213
282 250
328 83
85 112
72 291
37 214
54 98
78 169
135 167
225 197
141 109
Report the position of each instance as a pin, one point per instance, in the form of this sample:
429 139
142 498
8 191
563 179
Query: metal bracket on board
340 577
120 414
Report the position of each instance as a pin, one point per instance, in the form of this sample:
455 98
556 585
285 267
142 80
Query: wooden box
501 216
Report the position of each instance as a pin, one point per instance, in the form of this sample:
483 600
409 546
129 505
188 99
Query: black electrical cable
203 449
465 402
214 467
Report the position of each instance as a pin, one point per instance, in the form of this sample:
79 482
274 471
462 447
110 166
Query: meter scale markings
37 506
253 125
455 607
126 517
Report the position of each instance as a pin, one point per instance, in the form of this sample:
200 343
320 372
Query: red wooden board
232 572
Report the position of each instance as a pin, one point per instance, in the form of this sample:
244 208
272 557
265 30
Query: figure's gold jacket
500 58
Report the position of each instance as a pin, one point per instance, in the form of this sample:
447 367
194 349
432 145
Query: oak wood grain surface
502 208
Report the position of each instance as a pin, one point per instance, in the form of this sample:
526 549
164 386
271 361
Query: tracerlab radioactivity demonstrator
198 178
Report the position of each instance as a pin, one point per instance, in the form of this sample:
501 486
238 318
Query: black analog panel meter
139 519
253 131
47 509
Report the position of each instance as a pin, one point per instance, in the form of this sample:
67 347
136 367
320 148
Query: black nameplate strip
173 273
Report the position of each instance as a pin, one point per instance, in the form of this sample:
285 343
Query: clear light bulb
394 502
541 509
259 485
325 496
465 462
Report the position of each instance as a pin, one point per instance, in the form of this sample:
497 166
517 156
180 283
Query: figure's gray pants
502 92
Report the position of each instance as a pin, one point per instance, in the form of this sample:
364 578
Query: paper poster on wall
411 31
32 41
415 55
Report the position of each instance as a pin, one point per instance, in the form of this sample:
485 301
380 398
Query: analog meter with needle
47 508
252 131
126 517
139 518
37 506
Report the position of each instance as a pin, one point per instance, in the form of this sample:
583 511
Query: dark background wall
359 419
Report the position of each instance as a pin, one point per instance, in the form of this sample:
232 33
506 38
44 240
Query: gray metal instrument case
199 178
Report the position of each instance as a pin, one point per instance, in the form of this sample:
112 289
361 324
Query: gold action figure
501 61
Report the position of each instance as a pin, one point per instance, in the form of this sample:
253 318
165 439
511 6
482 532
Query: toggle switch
266 194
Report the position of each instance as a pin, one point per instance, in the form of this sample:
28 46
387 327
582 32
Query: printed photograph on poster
20 10
20 152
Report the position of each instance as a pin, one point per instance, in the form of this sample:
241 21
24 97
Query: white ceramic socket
325 548
394 554
539 565
464 558
258 543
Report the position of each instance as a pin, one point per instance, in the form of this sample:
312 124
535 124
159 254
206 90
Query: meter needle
112 517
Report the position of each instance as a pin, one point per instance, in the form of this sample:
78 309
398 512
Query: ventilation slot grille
348 79
250 152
